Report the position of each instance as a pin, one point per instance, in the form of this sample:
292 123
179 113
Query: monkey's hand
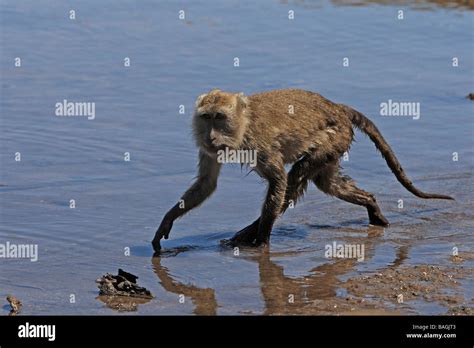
163 231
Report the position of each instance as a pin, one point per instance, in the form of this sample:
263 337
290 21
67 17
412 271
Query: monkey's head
220 120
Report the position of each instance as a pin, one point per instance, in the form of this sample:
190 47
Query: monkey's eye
220 116
206 116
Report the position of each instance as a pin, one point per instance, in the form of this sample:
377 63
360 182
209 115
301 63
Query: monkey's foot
230 243
377 219
246 236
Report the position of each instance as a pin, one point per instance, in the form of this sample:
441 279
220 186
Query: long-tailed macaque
281 127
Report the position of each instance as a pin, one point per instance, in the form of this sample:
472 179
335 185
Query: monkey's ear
199 100
242 100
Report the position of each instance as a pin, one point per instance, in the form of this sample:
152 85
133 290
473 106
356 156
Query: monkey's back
296 122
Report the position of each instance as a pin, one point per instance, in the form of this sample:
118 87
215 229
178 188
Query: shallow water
119 204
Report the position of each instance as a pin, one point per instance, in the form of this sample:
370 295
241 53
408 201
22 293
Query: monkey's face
219 121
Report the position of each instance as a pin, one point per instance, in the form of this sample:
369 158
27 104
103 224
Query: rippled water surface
119 204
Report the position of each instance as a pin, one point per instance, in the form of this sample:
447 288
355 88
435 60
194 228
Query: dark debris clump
123 284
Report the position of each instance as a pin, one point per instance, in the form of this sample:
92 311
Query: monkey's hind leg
332 182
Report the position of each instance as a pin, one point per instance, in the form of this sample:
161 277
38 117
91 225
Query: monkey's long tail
369 128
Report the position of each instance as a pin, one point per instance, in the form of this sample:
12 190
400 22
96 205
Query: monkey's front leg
274 200
296 183
259 231
193 197
204 186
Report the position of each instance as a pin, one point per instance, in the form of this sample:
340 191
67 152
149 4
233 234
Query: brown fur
283 126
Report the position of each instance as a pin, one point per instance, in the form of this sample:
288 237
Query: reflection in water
402 255
203 299
285 294
122 303
290 295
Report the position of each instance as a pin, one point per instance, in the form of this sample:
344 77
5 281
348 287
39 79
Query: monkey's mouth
216 148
